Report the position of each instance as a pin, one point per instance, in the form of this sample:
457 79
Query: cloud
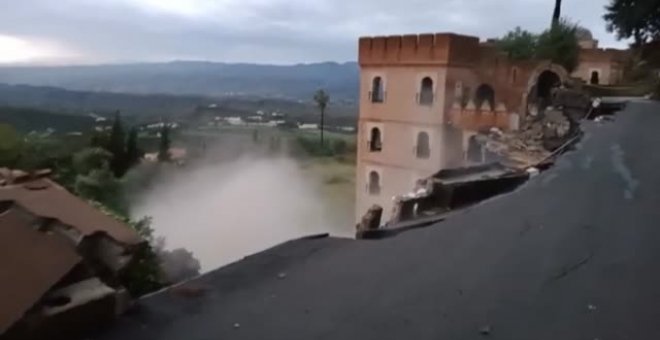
273 31
15 50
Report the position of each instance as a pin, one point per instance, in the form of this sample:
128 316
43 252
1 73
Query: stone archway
547 81
540 83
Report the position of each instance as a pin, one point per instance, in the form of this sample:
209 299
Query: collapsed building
439 101
61 260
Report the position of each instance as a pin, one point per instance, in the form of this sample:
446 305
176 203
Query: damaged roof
31 262
571 254
44 198
34 258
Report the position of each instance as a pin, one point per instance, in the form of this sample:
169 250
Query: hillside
147 107
26 120
196 78
83 102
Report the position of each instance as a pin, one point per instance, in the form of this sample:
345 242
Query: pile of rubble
541 135
533 143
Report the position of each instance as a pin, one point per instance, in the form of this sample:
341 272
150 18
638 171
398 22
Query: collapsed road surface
572 254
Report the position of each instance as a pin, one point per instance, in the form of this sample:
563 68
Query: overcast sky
263 31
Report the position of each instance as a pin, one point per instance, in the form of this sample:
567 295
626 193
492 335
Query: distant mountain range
156 106
297 82
26 120
55 99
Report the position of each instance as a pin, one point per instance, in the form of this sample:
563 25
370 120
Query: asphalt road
573 254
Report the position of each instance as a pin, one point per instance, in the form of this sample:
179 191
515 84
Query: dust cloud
225 211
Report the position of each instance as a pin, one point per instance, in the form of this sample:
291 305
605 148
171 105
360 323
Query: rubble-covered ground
541 135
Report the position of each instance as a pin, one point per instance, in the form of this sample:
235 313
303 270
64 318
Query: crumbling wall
466 186
483 118
370 221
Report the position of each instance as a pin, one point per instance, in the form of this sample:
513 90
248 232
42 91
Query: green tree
143 274
164 145
99 139
340 147
559 44
90 159
117 147
519 44
133 153
10 146
321 98
637 19
102 186
41 151
95 181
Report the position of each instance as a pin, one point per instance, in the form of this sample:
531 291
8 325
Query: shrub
143 274
339 146
312 147
519 44
560 45
336 179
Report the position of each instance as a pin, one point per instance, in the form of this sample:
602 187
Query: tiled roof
43 197
31 262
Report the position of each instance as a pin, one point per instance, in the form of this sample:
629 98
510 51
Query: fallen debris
452 189
531 145
370 221
601 119
542 133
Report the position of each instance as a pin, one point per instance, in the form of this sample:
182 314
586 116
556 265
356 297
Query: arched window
377 92
374 183
426 92
595 78
375 142
485 93
423 149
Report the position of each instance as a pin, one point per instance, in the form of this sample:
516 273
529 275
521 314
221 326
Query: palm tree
321 98
557 13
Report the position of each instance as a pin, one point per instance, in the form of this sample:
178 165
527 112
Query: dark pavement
573 254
